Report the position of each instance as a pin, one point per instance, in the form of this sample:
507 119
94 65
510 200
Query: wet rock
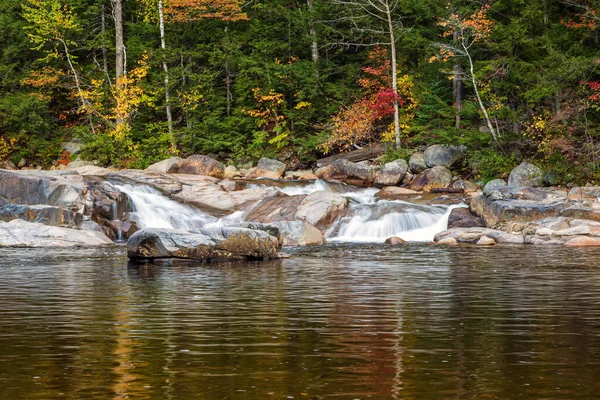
461 217
472 235
271 229
204 244
394 241
199 165
267 168
167 184
278 207
321 208
89 225
449 241
443 155
526 174
19 233
417 163
486 241
583 242
391 173
307 176
48 215
432 178
163 167
299 233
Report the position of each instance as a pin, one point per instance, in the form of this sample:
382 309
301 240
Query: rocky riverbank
85 205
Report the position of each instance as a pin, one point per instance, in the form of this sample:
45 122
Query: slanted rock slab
19 233
321 208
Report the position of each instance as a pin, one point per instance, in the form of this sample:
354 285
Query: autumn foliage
194 10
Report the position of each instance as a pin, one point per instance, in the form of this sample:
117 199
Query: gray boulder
417 163
442 155
164 166
267 168
526 174
347 171
299 233
19 233
204 244
432 178
321 208
493 184
391 173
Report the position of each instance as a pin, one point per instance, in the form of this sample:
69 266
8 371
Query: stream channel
353 319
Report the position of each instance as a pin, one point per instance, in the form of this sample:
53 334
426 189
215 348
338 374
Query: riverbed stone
45 214
449 241
486 241
267 168
472 235
299 233
163 167
432 178
19 233
322 208
442 155
394 241
526 174
198 164
583 241
391 173
203 244
461 217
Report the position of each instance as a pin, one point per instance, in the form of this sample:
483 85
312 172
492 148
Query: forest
140 80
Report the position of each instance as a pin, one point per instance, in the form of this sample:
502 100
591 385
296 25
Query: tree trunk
394 75
457 87
119 42
314 46
163 45
104 49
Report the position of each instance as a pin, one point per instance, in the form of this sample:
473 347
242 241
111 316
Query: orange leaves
195 10
474 28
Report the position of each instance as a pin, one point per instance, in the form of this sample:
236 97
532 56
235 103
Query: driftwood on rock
366 153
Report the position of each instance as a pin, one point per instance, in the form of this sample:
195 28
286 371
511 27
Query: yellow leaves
195 10
7 145
43 78
302 105
50 20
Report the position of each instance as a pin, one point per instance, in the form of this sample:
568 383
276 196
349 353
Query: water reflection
411 322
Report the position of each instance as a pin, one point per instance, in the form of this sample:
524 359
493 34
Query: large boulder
199 165
442 155
278 207
19 233
321 208
164 166
526 174
347 171
417 163
204 244
391 173
267 168
461 217
299 233
48 215
432 178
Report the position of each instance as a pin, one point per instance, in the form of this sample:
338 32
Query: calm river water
339 322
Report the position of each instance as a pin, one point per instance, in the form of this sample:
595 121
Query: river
344 321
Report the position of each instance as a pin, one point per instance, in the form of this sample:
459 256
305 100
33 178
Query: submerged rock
19 233
204 244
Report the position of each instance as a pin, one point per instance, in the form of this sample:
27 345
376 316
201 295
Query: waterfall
153 210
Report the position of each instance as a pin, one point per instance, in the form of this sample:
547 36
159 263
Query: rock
432 178
299 233
19 233
349 172
585 192
461 217
22 162
472 235
493 184
321 208
442 155
163 167
289 175
73 146
394 193
92 170
526 174
278 207
267 168
7 164
394 241
391 173
449 241
231 172
367 153
308 176
466 186
486 241
79 163
271 229
90 225
47 215
55 188
199 165
583 241
204 244
417 163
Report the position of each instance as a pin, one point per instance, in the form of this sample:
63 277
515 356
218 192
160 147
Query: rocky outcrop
165 166
391 173
204 244
47 215
432 178
19 233
267 168
526 174
199 165
322 208
442 155
278 207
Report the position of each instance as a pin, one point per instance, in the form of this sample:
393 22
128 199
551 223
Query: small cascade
153 210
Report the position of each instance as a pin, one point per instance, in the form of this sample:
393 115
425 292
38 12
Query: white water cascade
370 219
153 210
